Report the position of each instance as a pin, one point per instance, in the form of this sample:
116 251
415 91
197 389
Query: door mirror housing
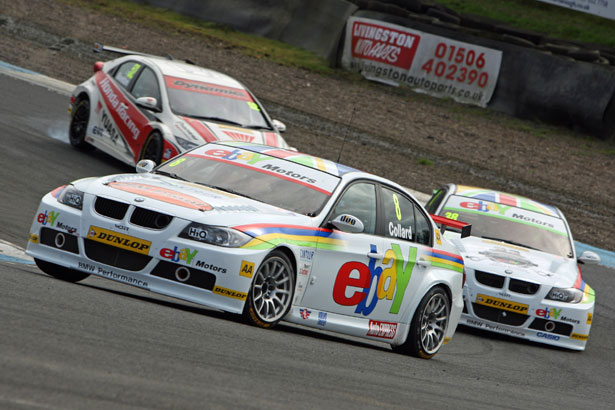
144 166
279 125
348 223
149 103
589 257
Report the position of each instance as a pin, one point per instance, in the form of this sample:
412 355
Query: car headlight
568 295
185 144
72 197
215 235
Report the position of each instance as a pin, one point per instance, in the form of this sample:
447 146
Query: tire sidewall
414 338
80 140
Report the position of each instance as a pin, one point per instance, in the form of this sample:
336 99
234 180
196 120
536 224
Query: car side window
435 200
423 227
398 215
126 72
359 200
146 85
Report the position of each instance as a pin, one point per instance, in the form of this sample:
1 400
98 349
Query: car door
343 277
125 126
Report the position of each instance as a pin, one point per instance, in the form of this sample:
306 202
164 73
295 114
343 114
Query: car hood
517 262
200 131
188 200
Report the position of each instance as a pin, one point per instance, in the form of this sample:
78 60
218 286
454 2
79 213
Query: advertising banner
602 8
431 64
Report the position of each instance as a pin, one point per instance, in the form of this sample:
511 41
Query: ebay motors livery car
523 277
146 107
267 233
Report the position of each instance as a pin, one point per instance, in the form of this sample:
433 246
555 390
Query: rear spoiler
99 48
457 226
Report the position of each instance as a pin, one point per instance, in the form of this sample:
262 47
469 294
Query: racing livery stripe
127 117
267 235
201 128
162 194
271 139
315 188
589 295
445 260
261 229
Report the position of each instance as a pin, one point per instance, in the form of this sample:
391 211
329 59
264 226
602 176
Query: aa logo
247 269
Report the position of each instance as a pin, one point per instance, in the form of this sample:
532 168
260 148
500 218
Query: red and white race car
145 107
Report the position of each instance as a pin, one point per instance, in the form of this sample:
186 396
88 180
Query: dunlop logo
501 304
130 243
229 293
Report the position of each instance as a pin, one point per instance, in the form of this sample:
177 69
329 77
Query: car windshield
514 225
213 102
285 184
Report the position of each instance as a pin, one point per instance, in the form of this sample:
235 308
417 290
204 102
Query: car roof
308 160
505 198
177 68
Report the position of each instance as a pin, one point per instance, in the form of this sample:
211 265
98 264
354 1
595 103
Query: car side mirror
280 126
149 103
348 223
589 257
144 166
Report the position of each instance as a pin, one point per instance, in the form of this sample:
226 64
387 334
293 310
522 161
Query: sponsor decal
206 88
502 304
120 108
590 317
236 208
229 293
110 274
305 269
384 330
577 336
508 256
114 135
548 336
176 254
247 269
383 44
306 255
570 320
322 318
438 237
33 238
162 194
547 313
387 284
208 266
119 240
121 227
304 313
69 229
47 218
476 323
398 231
348 220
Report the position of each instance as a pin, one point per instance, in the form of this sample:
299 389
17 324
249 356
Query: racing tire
60 272
79 125
152 149
271 292
428 327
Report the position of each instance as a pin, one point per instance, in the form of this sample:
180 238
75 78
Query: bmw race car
523 274
267 233
146 107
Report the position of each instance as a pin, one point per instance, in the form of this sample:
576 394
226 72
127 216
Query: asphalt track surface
103 345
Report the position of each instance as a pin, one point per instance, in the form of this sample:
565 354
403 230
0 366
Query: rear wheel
60 272
271 292
79 125
153 148
428 327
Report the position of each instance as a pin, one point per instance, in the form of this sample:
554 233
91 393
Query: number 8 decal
397 208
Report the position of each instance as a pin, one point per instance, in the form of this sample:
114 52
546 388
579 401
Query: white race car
267 233
147 107
522 268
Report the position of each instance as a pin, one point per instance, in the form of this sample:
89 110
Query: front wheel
271 292
79 125
153 148
428 327
60 272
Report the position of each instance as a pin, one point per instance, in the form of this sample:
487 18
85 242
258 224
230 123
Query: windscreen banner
602 8
427 63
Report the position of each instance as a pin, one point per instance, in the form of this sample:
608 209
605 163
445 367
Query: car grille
489 279
560 328
521 286
150 219
195 277
112 256
498 315
110 208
